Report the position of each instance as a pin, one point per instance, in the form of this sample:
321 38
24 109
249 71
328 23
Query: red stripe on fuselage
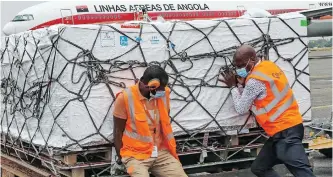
122 17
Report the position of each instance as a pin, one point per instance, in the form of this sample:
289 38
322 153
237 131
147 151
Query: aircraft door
67 16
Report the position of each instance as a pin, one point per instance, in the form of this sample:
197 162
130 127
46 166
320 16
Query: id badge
154 154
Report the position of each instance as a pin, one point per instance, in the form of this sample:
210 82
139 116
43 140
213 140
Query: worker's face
153 90
150 89
247 62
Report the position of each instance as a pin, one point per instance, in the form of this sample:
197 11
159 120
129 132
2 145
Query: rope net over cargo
58 91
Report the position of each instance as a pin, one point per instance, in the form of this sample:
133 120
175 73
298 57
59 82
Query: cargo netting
40 82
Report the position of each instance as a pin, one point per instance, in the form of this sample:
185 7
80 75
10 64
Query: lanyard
149 116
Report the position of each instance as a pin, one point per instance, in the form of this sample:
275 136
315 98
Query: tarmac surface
321 86
321 98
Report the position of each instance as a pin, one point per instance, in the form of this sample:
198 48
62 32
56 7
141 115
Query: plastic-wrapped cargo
59 83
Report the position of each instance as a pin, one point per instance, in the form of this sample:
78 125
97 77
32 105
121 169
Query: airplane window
29 17
26 17
18 18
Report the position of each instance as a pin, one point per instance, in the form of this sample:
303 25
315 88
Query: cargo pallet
55 162
206 152
210 152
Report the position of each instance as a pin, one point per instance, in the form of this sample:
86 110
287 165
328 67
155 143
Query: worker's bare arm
118 129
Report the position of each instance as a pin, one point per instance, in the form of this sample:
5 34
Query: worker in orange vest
143 136
268 95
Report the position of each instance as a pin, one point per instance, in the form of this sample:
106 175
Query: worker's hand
241 81
229 78
117 169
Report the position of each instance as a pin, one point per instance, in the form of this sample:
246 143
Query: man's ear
253 59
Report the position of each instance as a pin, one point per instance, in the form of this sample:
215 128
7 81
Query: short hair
244 51
155 72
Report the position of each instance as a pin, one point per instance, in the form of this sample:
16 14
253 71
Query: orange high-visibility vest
279 109
137 139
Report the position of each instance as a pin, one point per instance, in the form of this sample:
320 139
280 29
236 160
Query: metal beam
319 28
313 13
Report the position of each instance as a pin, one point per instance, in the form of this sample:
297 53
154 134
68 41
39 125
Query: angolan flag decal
82 8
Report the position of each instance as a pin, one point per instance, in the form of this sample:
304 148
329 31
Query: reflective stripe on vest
133 135
282 108
278 96
164 101
170 136
131 108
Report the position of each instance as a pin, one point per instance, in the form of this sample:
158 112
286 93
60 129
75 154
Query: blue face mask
241 72
158 94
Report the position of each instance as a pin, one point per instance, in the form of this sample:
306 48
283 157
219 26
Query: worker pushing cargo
268 94
143 134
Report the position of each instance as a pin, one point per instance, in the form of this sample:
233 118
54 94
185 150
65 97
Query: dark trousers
284 147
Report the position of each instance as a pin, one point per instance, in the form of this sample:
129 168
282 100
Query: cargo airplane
94 12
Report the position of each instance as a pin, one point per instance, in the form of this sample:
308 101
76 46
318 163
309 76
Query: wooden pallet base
213 149
76 165
72 164
11 166
5 173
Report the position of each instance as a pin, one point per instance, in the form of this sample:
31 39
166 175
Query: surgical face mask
242 71
158 94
